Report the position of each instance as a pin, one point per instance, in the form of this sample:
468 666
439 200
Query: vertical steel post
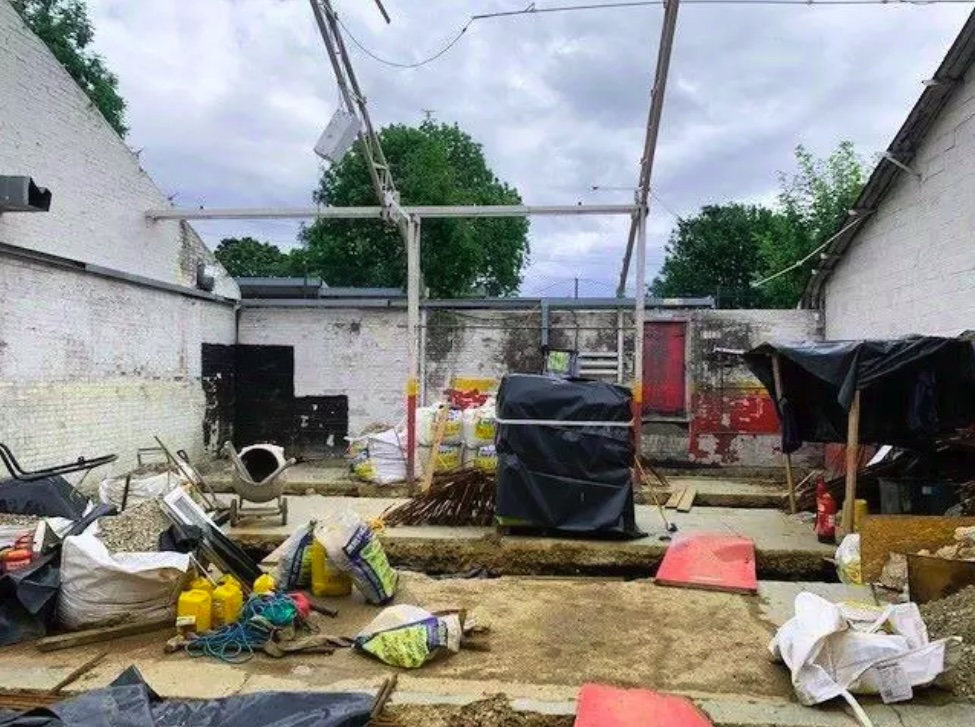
413 339
639 318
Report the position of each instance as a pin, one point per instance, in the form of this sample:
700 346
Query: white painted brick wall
50 131
90 366
358 353
911 269
87 365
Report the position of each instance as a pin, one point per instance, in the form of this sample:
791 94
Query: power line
395 64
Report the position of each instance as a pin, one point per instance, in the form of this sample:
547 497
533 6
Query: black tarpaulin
565 450
130 702
911 389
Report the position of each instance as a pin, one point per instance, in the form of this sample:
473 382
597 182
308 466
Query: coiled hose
236 643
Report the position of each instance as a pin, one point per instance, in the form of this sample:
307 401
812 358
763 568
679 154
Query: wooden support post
413 341
779 395
852 462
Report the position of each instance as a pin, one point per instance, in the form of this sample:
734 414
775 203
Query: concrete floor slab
786 548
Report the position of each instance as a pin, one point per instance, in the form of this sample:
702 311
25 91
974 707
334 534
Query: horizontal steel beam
362 213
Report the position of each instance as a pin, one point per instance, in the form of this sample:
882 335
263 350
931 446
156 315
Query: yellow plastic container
228 599
326 578
201 584
265 584
195 604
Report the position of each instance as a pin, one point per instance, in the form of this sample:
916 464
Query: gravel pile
17 520
136 530
955 616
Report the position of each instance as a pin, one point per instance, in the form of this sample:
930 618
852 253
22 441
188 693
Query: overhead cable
395 64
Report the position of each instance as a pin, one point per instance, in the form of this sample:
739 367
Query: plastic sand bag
426 425
353 546
479 425
294 568
848 560
379 457
408 636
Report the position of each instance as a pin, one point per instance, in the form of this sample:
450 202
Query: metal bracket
901 165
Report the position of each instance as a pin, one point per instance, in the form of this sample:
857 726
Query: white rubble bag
96 585
480 425
837 650
380 456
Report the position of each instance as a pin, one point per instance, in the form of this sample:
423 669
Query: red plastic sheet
601 706
710 562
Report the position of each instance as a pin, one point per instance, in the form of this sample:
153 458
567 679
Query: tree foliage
716 253
433 164
814 202
245 257
64 27
725 248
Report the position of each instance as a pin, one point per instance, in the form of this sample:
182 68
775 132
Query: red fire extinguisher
825 513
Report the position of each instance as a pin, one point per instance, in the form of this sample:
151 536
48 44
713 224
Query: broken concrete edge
724 711
531 557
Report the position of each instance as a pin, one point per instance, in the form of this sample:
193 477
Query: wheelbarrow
256 478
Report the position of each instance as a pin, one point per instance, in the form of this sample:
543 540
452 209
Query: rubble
136 530
955 616
27 521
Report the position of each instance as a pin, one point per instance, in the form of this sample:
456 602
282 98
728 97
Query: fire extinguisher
825 513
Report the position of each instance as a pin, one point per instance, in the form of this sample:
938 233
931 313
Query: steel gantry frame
408 219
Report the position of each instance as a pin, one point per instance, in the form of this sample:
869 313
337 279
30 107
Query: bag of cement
449 457
837 650
426 425
144 487
294 569
409 637
485 459
381 457
479 425
848 560
353 547
96 585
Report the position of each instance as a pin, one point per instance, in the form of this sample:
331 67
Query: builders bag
379 456
837 650
426 425
353 547
144 487
408 636
96 585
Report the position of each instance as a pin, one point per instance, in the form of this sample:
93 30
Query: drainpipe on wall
619 346
545 314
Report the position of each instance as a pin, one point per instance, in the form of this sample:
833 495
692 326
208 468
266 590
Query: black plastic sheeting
130 702
49 497
572 479
912 390
28 596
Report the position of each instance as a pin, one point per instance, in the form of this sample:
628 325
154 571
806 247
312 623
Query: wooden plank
93 636
443 414
852 462
674 500
687 500
881 535
779 395
79 672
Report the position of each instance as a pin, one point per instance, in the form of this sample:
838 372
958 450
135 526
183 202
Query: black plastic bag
130 702
49 497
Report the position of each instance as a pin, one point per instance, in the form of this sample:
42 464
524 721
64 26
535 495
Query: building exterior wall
362 353
911 268
91 365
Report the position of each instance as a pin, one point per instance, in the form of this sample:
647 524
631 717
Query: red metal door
663 368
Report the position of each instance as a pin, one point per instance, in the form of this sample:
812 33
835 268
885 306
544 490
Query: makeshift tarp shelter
565 453
904 392
911 389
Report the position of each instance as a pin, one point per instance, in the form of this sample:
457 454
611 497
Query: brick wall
911 269
90 365
362 353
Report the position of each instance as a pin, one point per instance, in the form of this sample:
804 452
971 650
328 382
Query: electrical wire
395 64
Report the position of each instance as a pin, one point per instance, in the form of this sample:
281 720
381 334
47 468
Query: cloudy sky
227 97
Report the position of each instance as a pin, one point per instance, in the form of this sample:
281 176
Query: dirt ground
549 636
493 712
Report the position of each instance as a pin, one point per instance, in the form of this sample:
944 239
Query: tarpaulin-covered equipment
565 452
911 389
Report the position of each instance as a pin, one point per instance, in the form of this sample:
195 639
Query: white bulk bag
96 585
141 488
835 650
479 425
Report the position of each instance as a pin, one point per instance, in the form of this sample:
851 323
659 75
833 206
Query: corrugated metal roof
949 76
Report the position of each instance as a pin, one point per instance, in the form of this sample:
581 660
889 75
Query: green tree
433 164
717 252
64 26
245 257
814 202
